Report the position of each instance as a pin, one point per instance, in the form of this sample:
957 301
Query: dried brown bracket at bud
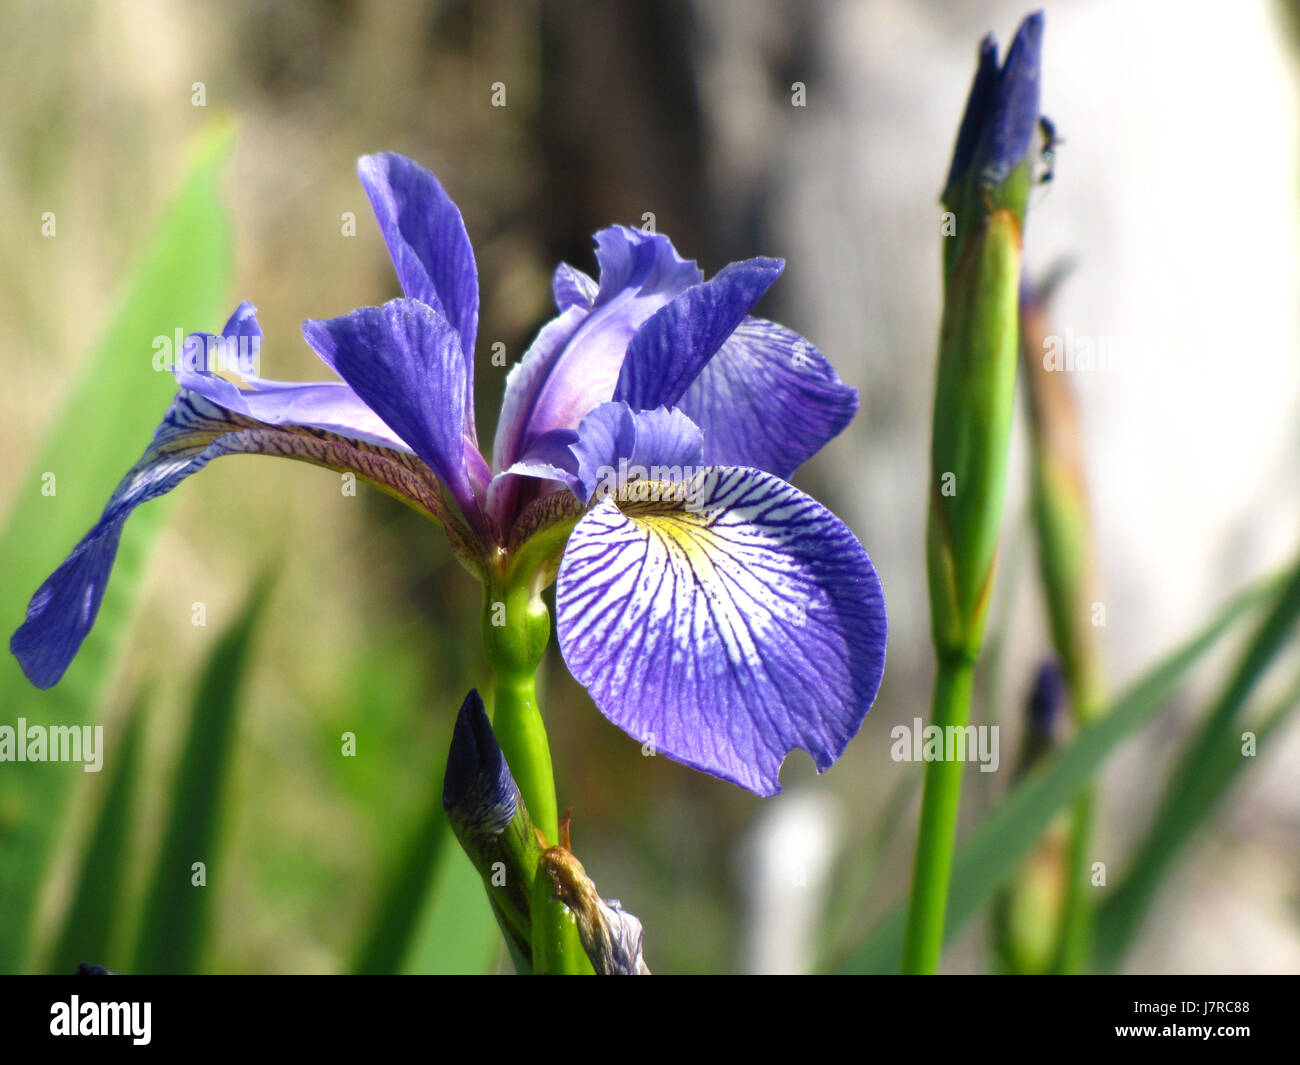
610 935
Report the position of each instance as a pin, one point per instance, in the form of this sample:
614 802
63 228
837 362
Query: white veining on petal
730 628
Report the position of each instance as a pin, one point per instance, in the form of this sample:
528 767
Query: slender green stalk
1000 842
517 722
938 832
516 628
1076 919
522 734
985 198
1066 569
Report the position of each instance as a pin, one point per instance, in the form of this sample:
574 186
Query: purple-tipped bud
997 128
1044 716
1046 699
478 792
489 818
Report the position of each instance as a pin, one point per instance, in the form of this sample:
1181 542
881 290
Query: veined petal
524 384
641 266
194 432
404 360
329 405
768 399
671 349
573 288
616 445
727 628
574 364
548 458
430 249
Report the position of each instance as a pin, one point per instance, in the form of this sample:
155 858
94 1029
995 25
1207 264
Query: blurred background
1174 200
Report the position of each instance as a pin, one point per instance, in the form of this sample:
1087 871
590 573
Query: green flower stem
973 406
516 628
1076 919
1066 566
938 832
517 722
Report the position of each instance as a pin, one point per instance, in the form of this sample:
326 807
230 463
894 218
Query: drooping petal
726 629
573 288
673 346
617 445
768 399
404 360
194 432
574 364
426 238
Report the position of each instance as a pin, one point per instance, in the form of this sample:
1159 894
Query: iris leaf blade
104 422
995 847
175 915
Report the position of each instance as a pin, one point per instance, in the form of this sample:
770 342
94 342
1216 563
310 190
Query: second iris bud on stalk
522 872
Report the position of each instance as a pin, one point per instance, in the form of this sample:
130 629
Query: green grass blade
998 844
1202 779
457 933
175 915
392 930
433 915
104 423
92 929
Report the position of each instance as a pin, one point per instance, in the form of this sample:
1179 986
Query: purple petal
671 349
524 384
617 445
328 405
194 432
768 399
331 406
983 87
635 265
574 364
1013 117
603 434
404 360
573 288
1001 113
430 249
548 458
725 630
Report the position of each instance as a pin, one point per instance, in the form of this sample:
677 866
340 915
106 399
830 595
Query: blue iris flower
710 608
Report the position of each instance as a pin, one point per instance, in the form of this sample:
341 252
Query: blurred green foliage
332 862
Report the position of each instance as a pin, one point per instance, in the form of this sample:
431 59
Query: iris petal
524 385
726 629
672 347
574 364
329 405
768 399
429 246
404 360
194 432
646 444
573 288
